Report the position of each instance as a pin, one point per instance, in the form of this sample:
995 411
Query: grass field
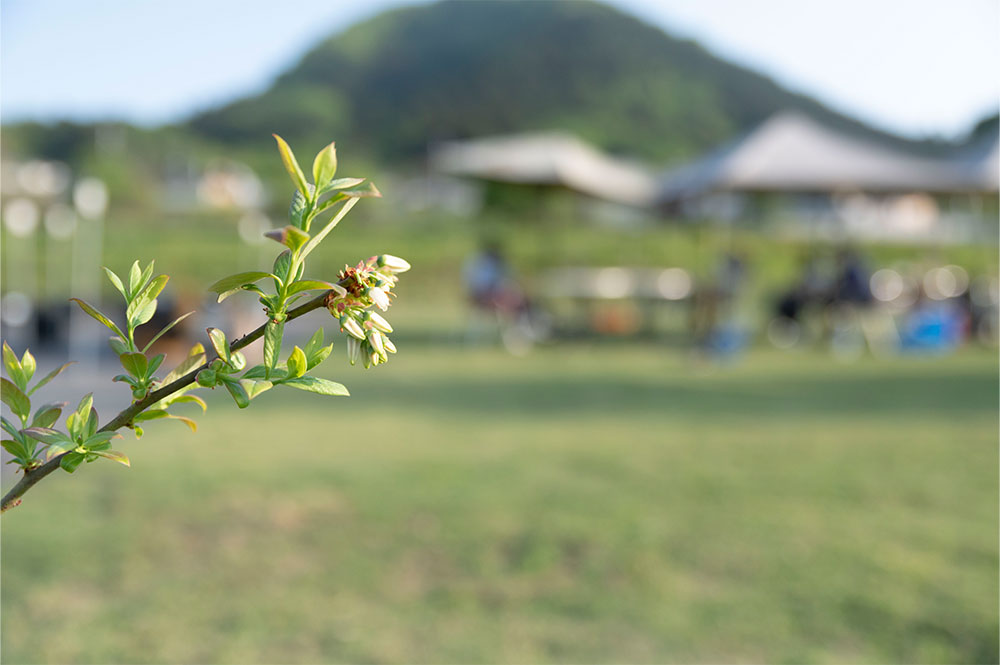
587 503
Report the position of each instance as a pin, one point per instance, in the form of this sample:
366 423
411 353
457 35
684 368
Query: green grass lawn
587 503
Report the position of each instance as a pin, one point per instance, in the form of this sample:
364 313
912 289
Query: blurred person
714 324
498 298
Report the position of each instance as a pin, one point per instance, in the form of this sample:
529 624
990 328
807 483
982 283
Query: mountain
454 69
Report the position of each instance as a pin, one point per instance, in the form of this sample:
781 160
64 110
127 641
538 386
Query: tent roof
547 158
792 152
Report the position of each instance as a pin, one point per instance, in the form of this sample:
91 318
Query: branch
32 476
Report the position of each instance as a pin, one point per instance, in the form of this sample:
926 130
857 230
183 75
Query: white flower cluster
362 287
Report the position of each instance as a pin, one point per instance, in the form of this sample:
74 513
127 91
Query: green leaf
218 339
289 236
320 355
14 369
315 342
316 385
92 420
325 165
309 285
134 279
135 364
99 438
99 317
296 363
188 399
297 211
47 435
154 364
28 366
195 358
146 274
114 456
341 183
254 388
70 461
154 288
292 166
118 345
51 375
282 264
272 344
318 238
47 414
238 392
15 448
143 314
13 397
229 285
9 427
115 281
125 378
368 190
165 329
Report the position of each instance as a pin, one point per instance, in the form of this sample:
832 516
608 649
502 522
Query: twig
32 476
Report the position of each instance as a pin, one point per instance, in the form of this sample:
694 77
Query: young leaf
238 392
154 288
51 375
187 399
297 210
154 363
260 372
165 329
143 280
71 461
47 435
272 344
83 410
100 438
14 369
116 282
321 354
341 183
28 366
218 339
196 356
318 238
292 166
296 363
316 385
99 317
135 364
368 190
325 165
15 448
8 427
229 285
118 345
282 264
134 277
13 397
315 342
114 456
255 388
47 414
309 285
143 314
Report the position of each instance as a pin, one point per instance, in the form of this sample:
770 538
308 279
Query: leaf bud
206 378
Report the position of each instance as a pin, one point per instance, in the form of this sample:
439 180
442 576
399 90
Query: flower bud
379 323
351 326
375 339
393 263
379 297
389 346
353 350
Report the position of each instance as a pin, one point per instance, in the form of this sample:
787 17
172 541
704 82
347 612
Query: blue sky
918 67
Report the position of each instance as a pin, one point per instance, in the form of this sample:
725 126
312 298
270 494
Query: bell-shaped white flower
393 263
